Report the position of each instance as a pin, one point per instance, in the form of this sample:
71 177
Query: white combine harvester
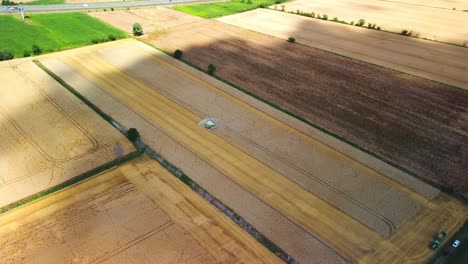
209 123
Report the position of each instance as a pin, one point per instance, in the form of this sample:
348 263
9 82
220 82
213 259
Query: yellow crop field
137 212
48 135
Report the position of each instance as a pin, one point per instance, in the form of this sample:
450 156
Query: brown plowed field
151 19
430 60
48 135
136 213
133 99
426 22
415 123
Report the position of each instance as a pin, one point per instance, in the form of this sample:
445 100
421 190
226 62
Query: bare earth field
449 4
151 19
136 213
430 60
236 163
436 24
48 135
380 110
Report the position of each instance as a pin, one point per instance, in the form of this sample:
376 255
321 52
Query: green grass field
212 10
46 2
52 32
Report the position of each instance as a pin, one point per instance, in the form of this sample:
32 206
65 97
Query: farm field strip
426 22
167 126
219 235
313 165
421 142
430 60
457 4
163 223
276 190
296 241
49 135
151 19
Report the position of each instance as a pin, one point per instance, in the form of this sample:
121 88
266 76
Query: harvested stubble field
380 110
168 121
151 19
48 135
426 22
457 4
137 213
430 60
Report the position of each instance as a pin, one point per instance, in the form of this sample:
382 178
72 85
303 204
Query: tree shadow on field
416 124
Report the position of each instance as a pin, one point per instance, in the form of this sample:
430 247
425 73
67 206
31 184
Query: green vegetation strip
219 9
72 181
46 2
448 254
143 148
53 32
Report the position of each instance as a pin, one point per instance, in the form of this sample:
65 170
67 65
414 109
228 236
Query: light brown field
168 121
48 135
436 24
137 212
430 60
151 19
448 4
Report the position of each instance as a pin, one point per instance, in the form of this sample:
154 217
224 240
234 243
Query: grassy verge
212 10
448 254
46 2
53 32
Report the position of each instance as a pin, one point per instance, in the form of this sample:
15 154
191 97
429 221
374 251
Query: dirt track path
137 213
436 24
430 60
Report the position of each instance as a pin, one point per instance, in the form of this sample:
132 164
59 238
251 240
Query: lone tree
137 29
211 69
5 55
133 134
36 49
178 54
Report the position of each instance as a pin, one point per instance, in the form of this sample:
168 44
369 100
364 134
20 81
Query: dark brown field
415 123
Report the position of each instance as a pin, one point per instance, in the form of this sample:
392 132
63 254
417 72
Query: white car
456 243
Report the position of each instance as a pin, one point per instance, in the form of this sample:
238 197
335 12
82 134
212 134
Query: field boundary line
143 148
70 182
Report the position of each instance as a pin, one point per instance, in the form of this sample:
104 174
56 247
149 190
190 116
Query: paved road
92 6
